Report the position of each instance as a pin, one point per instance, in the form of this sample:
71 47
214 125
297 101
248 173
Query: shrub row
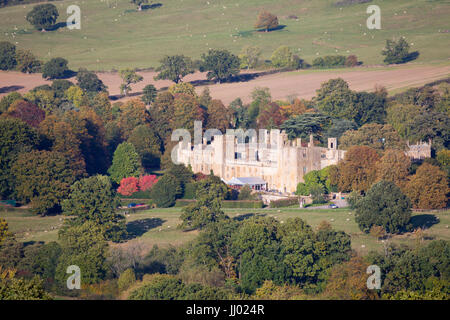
229 204
283 203
335 61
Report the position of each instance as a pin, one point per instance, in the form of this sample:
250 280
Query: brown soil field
301 83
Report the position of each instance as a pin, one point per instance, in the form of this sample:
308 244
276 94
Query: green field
115 35
159 226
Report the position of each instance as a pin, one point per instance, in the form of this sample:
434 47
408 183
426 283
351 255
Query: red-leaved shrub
128 186
147 182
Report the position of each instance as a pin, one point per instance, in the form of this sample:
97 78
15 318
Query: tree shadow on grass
412 56
10 89
151 6
138 227
423 221
246 216
57 26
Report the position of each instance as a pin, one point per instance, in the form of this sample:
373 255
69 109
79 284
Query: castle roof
246 180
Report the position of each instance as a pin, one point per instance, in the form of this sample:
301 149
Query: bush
160 287
146 183
351 61
166 191
126 279
89 82
397 52
384 205
284 203
128 186
329 61
27 62
7 56
8 100
252 204
56 68
189 191
284 58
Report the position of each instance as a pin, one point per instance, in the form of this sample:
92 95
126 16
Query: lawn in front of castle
159 226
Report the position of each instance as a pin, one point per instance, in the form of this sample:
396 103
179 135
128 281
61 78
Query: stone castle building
419 151
281 163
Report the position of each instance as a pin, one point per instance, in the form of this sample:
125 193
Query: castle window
237 155
331 145
304 170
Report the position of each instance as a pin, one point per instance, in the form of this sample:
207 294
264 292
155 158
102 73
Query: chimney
311 141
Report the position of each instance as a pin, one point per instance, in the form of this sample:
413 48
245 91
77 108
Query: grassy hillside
115 35
159 226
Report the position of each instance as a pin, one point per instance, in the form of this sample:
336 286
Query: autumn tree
394 166
126 163
183 88
93 199
128 186
58 136
428 188
27 112
161 114
89 129
44 99
357 171
8 100
187 109
4 233
146 183
129 77
218 116
266 21
13 287
43 178
348 282
131 115
174 68
270 116
384 205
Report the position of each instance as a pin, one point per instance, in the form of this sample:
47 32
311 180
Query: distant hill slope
115 35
